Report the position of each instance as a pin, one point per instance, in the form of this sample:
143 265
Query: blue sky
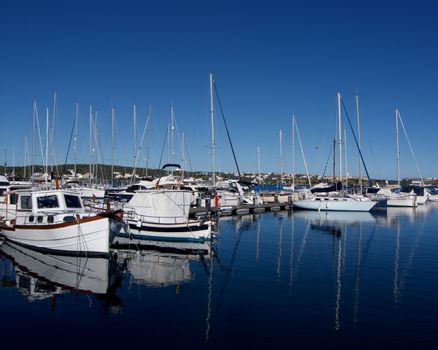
270 59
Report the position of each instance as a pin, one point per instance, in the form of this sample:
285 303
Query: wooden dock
242 209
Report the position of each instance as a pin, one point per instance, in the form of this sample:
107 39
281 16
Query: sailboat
340 202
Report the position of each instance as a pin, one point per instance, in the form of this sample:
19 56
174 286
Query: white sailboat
340 202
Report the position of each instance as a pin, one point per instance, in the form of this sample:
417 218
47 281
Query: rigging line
162 151
226 128
410 147
68 148
357 144
326 164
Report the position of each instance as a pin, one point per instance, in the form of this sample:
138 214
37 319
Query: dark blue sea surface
296 279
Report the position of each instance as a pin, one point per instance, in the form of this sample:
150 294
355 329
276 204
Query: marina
304 277
218 175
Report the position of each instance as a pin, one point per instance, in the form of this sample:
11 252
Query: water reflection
39 276
161 264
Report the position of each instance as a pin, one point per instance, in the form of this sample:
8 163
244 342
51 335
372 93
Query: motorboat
56 221
163 214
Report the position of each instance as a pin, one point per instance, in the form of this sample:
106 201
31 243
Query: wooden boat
55 221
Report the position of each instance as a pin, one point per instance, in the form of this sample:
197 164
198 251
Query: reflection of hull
162 263
335 216
190 231
202 248
88 275
334 204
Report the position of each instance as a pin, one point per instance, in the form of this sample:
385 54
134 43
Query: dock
242 209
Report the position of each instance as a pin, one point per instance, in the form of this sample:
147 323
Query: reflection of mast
291 266
210 298
397 264
280 243
258 241
357 281
338 285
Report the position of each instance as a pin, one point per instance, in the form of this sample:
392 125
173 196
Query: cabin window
31 218
48 202
13 198
39 219
72 201
50 219
26 202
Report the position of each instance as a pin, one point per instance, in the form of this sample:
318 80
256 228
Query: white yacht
338 203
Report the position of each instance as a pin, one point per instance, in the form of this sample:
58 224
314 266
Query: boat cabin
46 207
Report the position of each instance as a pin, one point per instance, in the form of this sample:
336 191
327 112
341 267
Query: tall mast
13 162
281 157
90 150
358 141
47 145
75 143
113 118
25 157
340 136
134 122
213 147
33 139
334 159
346 161
398 146
52 133
171 128
258 161
293 152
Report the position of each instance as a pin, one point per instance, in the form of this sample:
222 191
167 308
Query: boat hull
191 231
90 236
334 205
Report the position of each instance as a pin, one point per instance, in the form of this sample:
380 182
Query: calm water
291 280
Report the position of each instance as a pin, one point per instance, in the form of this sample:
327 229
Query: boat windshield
72 201
47 202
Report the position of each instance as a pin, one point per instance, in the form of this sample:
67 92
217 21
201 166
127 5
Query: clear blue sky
270 59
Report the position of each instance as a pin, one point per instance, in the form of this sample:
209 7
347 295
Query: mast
6 165
25 157
258 161
90 150
281 157
134 122
340 136
334 159
13 163
213 147
293 152
171 128
398 146
52 132
33 139
47 145
113 118
75 140
346 161
358 141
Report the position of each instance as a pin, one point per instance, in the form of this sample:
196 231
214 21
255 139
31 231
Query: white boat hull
91 236
191 231
331 204
402 202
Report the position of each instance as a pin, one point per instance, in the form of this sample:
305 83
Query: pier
242 209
